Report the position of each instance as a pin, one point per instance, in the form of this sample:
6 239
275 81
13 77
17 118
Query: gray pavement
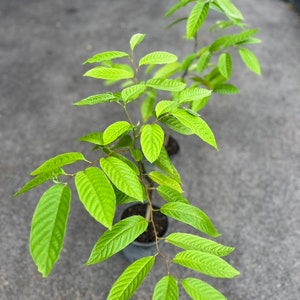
251 188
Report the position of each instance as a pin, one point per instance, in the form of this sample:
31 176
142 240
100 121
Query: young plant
169 99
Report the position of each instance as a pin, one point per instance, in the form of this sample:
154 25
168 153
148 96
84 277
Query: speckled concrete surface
250 188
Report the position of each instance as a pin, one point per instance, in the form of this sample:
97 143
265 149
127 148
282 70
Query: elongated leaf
229 9
109 73
171 85
250 60
104 56
171 195
93 137
96 99
136 39
128 162
197 105
133 92
197 125
38 180
225 65
115 130
167 70
58 161
203 61
152 139
200 290
196 18
190 215
121 235
148 104
226 89
187 61
97 195
193 94
162 179
123 177
48 227
164 106
157 58
205 263
131 279
193 242
239 37
177 6
166 289
176 126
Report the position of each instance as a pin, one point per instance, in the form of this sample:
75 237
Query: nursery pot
145 244
172 146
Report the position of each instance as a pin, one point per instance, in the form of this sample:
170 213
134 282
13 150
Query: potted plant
134 163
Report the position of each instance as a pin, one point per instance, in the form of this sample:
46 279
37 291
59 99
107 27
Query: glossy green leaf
124 142
123 177
171 85
136 154
121 235
235 39
187 61
96 99
166 289
127 161
152 139
131 279
225 65
176 126
226 89
196 18
115 130
190 215
133 92
164 106
193 94
193 242
199 104
48 227
158 57
97 195
163 179
205 263
109 73
200 290
171 195
147 105
104 56
58 161
197 125
250 60
167 70
122 198
38 180
136 39
229 9
93 137
203 61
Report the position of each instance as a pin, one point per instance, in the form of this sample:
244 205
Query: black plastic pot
144 245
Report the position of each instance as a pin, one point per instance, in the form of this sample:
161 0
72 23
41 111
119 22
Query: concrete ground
250 188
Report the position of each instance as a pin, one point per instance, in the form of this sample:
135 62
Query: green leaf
93 137
136 154
190 215
193 94
235 39
200 290
48 227
58 161
131 279
109 73
197 125
123 177
226 89
187 61
136 39
157 58
193 242
128 162
147 105
196 18
166 289
167 70
205 263
176 126
225 65
133 92
121 235
96 99
177 6
162 179
250 60
171 195
97 195
152 139
176 22
115 130
171 85
38 180
230 10
122 198
203 61
164 106
199 104
104 56
124 142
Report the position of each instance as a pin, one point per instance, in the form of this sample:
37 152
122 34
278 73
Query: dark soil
172 146
160 221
